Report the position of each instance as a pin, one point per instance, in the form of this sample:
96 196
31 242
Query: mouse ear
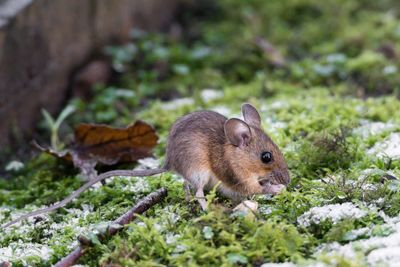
237 132
250 115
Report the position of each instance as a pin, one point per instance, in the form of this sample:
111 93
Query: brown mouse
209 150
206 148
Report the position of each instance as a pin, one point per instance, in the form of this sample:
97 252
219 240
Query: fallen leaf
86 164
115 145
65 154
106 145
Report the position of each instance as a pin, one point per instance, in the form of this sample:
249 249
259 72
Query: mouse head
255 159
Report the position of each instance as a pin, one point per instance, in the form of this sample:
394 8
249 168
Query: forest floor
324 76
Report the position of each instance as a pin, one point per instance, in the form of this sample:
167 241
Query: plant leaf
49 119
64 154
103 144
63 115
115 145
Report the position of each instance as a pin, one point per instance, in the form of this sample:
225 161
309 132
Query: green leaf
49 119
68 110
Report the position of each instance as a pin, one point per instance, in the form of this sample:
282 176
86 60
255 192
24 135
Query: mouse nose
282 177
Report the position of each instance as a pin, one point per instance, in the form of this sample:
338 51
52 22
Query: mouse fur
207 149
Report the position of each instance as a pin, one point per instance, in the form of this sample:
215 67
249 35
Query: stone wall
42 41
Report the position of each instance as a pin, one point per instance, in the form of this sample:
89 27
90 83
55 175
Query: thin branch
143 205
83 188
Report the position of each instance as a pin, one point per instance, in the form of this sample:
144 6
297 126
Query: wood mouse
208 150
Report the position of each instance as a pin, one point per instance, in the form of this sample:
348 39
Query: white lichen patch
70 224
177 178
368 187
264 209
148 163
180 102
276 105
279 104
370 172
52 234
171 239
20 251
357 233
291 147
227 112
82 213
208 95
369 128
375 250
171 215
388 148
387 255
14 165
22 228
334 213
274 126
141 185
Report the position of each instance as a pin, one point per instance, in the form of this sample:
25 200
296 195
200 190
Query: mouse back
190 140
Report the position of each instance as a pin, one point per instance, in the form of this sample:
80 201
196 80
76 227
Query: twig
143 205
84 187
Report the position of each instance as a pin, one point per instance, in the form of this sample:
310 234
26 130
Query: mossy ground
317 107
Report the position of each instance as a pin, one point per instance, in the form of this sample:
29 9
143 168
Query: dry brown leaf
115 145
103 144
65 154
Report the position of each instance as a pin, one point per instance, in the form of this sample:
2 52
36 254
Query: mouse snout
281 176
275 182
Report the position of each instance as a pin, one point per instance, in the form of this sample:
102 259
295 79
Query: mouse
209 150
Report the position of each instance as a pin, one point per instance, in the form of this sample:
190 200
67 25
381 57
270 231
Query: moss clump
213 239
324 152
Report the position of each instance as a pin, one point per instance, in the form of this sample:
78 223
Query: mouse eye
266 157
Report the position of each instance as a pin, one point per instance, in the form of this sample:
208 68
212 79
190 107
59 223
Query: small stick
143 205
76 193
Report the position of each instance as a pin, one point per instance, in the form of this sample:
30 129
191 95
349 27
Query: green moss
207 240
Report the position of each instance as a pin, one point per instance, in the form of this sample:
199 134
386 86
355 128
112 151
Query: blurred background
106 60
